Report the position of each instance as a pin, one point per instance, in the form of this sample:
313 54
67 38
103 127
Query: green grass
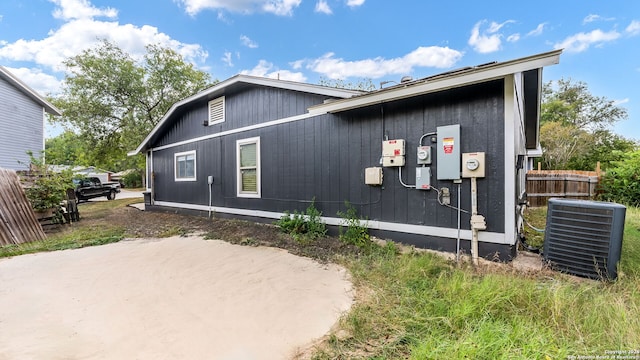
420 306
80 237
77 235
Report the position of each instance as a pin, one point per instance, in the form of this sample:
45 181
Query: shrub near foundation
303 227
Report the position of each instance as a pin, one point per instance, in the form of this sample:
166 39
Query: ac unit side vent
584 238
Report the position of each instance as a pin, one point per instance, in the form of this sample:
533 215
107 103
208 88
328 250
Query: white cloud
537 31
80 9
246 41
338 68
266 69
488 40
79 34
582 41
226 58
281 7
355 3
323 7
513 37
593 17
633 28
278 7
590 18
42 83
620 101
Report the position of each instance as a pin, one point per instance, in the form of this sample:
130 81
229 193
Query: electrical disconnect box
473 165
424 155
373 176
448 153
393 153
423 178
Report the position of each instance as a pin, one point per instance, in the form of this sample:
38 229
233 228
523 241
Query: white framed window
216 111
185 166
248 165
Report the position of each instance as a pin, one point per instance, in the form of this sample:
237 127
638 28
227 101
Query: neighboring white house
85 171
22 118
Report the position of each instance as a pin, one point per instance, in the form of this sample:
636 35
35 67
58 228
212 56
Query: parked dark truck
92 187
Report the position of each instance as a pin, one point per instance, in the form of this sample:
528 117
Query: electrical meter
473 165
424 155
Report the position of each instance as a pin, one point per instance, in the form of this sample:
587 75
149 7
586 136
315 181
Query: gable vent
584 238
216 111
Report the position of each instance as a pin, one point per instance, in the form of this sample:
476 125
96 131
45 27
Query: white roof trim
282 84
6 74
439 83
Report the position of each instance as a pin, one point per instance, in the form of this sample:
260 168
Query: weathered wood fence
545 184
18 223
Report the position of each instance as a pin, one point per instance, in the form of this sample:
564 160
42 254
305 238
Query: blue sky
307 40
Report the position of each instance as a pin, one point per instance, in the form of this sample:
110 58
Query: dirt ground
181 297
149 224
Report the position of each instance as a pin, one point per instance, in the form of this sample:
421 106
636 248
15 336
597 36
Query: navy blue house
404 155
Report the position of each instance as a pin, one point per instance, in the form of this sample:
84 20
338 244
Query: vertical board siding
21 127
246 107
325 157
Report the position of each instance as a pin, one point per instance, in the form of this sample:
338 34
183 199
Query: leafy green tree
67 148
362 85
571 103
113 101
574 130
561 143
605 147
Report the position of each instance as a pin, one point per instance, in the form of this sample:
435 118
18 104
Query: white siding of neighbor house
21 127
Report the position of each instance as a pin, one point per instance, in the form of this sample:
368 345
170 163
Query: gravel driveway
173 298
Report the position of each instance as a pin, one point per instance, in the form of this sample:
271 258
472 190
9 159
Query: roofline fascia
49 108
240 78
468 77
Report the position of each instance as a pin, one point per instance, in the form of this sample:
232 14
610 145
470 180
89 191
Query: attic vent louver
584 238
216 111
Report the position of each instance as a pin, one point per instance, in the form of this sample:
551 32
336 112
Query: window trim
195 165
239 192
214 102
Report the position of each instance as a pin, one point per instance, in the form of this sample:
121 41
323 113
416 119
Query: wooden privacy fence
18 223
545 184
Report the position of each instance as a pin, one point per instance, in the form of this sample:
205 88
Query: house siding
21 127
324 157
245 107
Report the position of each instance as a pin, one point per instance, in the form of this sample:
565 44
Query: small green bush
621 183
46 189
306 226
355 234
133 179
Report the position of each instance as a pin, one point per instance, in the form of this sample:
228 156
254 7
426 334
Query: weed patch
303 227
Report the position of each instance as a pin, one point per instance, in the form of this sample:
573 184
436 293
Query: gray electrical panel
448 154
423 178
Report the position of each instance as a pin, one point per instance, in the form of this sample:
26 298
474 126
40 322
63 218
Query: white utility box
473 165
393 152
373 176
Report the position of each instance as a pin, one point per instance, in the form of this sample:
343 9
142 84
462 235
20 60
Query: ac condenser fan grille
584 238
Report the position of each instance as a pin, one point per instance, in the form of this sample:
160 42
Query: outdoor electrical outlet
445 196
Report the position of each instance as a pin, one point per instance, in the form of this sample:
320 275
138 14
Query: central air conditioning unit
584 238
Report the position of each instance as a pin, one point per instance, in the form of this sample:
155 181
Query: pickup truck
92 187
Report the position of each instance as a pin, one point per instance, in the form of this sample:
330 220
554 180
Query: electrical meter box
424 155
393 153
473 165
423 178
448 154
373 176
